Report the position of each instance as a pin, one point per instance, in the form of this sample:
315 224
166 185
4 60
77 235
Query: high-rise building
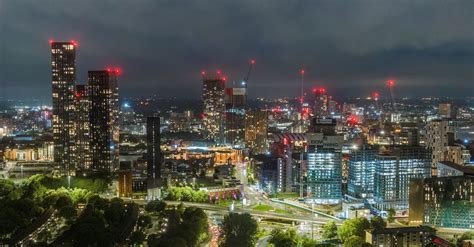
153 166
82 128
213 108
235 107
63 68
324 171
256 131
103 116
393 171
321 103
361 171
437 136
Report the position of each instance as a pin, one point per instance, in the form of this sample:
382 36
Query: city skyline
423 45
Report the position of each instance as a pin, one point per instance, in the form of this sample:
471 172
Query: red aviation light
218 71
118 71
376 95
203 72
224 78
391 83
252 61
302 72
74 43
109 70
51 41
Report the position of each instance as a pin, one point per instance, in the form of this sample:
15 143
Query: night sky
350 47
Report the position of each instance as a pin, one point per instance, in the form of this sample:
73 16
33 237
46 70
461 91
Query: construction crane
376 96
302 72
247 76
391 84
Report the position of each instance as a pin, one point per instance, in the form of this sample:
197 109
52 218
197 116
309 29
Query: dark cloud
349 46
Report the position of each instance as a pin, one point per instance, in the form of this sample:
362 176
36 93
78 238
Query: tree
281 238
377 223
137 238
144 221
329 230
239 230
155 206
353 227
6 186
464 236
391 215
355 241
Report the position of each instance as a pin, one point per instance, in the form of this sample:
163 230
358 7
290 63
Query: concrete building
235 108
154 159
256 131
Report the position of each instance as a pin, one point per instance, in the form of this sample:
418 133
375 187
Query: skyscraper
321 103
63 68
235 106
82 126
153 155
438 134
103 115
213 108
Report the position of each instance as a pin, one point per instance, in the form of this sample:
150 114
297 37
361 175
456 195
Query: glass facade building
449 202
393 172
324 171
361 172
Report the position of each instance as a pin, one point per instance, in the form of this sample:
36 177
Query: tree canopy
239 230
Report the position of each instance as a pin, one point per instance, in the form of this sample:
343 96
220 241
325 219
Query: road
255 213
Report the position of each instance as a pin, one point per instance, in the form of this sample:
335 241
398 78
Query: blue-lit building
361 171
393 171
324 171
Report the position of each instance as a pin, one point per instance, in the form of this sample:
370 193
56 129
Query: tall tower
235 104
63 71
321 103
214 107
82 126
103 116
153 166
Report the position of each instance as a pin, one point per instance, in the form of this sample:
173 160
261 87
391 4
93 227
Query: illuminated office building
63 68
213 108
393 171
361 171
103 116
324 171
